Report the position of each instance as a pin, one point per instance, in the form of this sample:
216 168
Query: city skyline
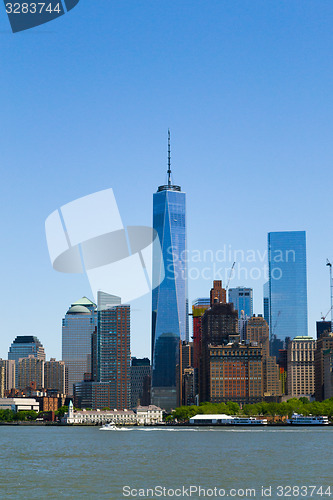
248 103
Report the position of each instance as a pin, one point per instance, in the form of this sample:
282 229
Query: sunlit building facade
24 346
288 315
114 353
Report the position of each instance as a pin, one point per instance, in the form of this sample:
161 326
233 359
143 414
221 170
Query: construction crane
230 276
324 317
328 263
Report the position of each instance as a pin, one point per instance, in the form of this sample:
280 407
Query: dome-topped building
78 326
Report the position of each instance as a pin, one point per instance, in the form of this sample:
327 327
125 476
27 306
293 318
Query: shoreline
166 426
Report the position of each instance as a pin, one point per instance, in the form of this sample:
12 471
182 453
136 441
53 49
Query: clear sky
246 88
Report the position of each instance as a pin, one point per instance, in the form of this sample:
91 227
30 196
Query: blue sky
86 101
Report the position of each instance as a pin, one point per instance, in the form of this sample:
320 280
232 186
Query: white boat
226 420
298 419
110 426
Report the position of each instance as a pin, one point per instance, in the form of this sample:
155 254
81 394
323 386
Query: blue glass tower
288 314
169 299
242 299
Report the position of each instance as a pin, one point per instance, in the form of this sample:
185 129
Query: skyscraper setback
169 299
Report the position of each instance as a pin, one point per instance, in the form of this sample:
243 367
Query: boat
110 426
298 419
226 420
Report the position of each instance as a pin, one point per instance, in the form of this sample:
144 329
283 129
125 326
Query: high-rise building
283 369
266 301
242 299
199 306
78 326
94 395
9 373
55 376
328 374
185 373
169 299
114 353
22 347
217 324
300 366
257 333
188 387
31 372
324 342
288 315
140 382
2 381
235 373
322 328
218 294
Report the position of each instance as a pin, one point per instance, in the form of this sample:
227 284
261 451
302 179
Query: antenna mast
169 160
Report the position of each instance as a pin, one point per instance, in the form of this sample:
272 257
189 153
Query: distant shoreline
166 426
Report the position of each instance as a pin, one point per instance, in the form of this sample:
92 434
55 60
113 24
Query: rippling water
82 462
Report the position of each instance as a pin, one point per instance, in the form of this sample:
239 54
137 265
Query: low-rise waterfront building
19 404
148 415
142 415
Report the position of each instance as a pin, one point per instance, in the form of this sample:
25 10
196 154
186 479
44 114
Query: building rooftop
84 302
78 310
26 339
150 407
210 417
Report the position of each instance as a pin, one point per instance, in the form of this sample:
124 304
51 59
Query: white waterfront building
143 415
19 404
149 415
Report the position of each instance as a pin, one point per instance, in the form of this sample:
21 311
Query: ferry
226 420
298 419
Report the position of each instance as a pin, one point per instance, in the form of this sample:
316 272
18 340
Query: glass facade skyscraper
242 299
23 347
169 299
78 326
288 316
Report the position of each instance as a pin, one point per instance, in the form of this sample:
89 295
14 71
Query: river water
85 463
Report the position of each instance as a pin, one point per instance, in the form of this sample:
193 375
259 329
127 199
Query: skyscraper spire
169 160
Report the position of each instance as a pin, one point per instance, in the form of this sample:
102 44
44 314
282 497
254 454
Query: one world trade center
169 299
